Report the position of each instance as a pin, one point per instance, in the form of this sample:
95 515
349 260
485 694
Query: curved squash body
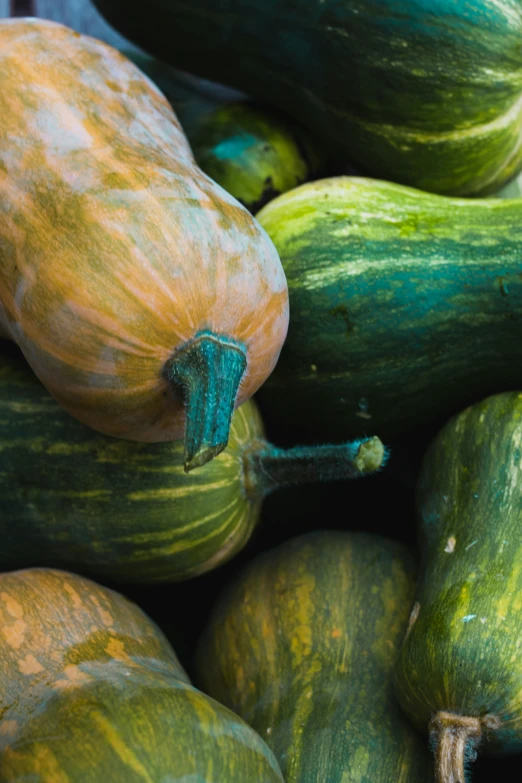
72 498
424 93
253 154
405 305
90 690
462 653
128 511
302 646
115 249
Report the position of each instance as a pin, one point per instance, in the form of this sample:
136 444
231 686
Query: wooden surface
81 15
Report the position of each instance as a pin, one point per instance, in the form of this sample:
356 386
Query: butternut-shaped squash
146 299
91 691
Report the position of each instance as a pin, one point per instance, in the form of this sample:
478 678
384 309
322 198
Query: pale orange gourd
136 287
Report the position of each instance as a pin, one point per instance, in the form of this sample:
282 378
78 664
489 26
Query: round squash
90 690
302 646
146 299
254 154
72 498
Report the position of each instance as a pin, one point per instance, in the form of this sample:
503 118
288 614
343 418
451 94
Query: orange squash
148 301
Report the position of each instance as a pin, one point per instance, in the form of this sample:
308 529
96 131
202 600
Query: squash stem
208 371
268 468
454 739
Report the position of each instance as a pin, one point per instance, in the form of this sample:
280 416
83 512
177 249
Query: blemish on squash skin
413 617
13 608
8 728
15 634
450 546
29 665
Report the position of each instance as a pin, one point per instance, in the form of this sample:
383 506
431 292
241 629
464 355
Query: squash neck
455 739
267 468
207 371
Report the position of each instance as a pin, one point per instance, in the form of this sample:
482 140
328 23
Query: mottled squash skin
406 306
91 691
252 153
115 249
423 92
302 645
72 498
462 653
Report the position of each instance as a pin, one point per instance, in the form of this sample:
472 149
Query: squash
459 674
253 154
90 690
406 306
424 93
302 646
141 293
72 498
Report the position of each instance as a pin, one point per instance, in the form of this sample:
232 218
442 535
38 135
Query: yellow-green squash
302 646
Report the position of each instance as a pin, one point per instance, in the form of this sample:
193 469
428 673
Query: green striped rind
462 653
424 92
405 306
90 691
253 154
72 498
302 646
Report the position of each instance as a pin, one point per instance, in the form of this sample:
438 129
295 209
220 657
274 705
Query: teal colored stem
268 468
208 371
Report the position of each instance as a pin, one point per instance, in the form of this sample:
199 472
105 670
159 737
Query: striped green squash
70 497
302 646
423 92
459 674
406 306
91 691
252 153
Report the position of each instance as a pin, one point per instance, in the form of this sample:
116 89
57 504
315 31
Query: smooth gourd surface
70 497
424 92
302 646
115 248
462 653
406 306
90 690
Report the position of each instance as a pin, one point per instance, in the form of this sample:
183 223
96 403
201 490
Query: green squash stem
208 371
267 467
455 739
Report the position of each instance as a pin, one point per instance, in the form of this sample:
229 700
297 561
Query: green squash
459 674
406 306
72 498
424 92
253 154
302 646
91 691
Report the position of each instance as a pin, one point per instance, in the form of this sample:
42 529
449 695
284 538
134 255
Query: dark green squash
424 92
459 674
70 497
406 306
302 646
252 153
91 691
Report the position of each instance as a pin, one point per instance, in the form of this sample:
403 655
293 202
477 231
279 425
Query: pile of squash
341 239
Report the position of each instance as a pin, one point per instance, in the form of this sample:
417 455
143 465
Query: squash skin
461 654
116 250
253 154
72 498
436 102
302 644
91 690
406 306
